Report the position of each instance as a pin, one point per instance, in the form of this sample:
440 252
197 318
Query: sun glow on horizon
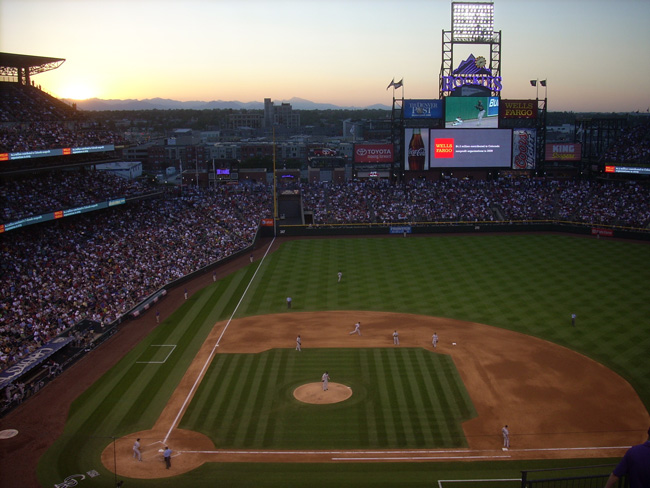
77 91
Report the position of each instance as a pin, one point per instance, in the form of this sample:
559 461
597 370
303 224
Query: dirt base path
552 398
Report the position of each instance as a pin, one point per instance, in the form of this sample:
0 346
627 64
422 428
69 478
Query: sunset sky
345 52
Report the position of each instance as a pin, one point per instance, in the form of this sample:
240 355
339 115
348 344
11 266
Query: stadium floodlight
472 21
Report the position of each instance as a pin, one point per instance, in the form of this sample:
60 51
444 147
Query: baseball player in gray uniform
357 329
506 438
325 379
298 344
136 450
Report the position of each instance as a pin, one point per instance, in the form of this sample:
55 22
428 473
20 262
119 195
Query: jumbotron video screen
470 148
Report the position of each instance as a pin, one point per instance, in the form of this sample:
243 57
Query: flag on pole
392 83
398 84
542 82
533 82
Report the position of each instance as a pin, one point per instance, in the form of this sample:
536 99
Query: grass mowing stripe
273 425
211 424
440 422
395 372
384 399
231 415
248 413
371 413
419 411
265 399
448 395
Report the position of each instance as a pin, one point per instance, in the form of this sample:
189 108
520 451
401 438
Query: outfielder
340 276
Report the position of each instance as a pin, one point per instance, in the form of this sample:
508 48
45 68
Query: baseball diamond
215 380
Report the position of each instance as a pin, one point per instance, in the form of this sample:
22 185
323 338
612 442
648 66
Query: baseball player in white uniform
434 339
340 276
325 379
396 338
298 343
357 329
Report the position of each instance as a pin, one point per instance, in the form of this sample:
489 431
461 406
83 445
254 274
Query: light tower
471 23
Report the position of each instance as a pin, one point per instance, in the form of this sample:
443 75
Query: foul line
209 360
173 346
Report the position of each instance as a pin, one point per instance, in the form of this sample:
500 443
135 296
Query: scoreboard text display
470 148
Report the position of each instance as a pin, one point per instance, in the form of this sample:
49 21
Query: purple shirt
636 465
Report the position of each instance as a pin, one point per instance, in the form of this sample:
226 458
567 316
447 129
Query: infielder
136 450
357 329
506 438
396 338
325 379
434 340
298 343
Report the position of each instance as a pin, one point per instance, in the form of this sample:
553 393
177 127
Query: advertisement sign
627 169
416 153
518 109
563 152
423 109
65 151
523 148
373 153
34 359
471 112
472 148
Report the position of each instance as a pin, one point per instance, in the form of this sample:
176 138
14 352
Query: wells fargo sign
518 109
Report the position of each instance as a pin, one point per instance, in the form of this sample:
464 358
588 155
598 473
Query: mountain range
98 104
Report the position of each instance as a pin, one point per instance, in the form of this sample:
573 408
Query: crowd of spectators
31 120
631 146
625 204
98 266
36 194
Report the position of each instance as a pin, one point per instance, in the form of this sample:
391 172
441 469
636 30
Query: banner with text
523 148
373 153
518 109
423 109
563 152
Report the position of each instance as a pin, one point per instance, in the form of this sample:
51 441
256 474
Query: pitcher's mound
313 393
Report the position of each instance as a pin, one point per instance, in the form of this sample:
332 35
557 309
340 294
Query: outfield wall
458 228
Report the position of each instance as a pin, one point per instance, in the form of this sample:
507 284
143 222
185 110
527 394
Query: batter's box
157 354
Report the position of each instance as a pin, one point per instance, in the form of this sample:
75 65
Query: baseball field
218 379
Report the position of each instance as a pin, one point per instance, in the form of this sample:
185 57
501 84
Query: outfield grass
526 283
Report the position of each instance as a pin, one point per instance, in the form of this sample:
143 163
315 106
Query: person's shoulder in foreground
635 465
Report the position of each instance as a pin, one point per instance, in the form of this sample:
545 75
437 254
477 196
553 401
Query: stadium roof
12 64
